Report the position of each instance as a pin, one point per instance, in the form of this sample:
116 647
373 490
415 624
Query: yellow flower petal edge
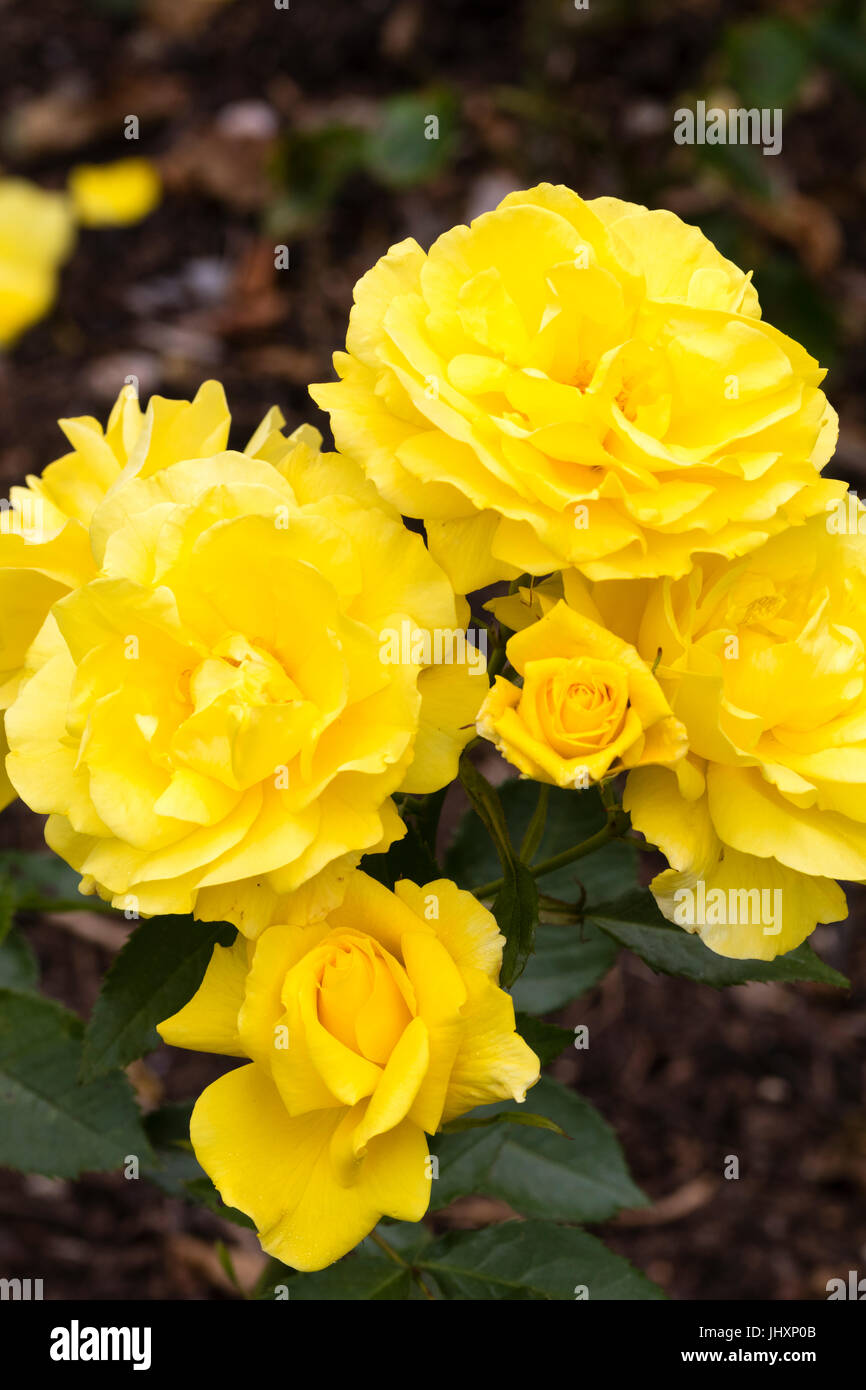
764 662
226 662
367 1029
578 384
588 706
741 905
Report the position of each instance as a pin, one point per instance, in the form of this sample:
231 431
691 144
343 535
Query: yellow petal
401 1080
112 195
279 1170
493 1062
209 1021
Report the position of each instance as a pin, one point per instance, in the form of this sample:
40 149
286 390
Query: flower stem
497 661
404 1264
388 1249
615 826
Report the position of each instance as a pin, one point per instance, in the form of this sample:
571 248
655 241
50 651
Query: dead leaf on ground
73 113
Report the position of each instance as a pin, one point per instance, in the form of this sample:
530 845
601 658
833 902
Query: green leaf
568 961
515 1117
49 1123
8 905
516 904
367 1273
515 908
580 1178
407 1238
635 921
516 1260
407 148
174 1168
310 167
488 806
19 968
202 1191
546 1039
173 1163
742 166
38 877
226 1263
406 858
157 972
531 1260
357 1278
34 882
840 41
797 305
768 59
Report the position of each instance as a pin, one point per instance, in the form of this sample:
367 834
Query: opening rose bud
589 704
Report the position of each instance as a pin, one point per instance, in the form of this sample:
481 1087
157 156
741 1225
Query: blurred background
303 127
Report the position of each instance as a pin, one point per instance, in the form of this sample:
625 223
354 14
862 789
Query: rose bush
221 668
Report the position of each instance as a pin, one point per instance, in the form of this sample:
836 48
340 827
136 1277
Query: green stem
496 662
616 825
404 1264
388 1249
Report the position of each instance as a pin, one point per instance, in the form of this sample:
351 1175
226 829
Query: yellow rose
37 231
570 383
112 195
764 661
364 1029
217 715
589 705
44 536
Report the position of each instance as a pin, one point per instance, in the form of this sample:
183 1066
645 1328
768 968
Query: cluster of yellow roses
192 659
581 394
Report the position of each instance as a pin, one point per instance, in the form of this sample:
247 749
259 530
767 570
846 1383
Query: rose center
359 1000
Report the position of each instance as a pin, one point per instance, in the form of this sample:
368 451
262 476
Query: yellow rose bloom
570 383
44 530
215 715
37 231
365 1029
114 195
764 661
588 707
